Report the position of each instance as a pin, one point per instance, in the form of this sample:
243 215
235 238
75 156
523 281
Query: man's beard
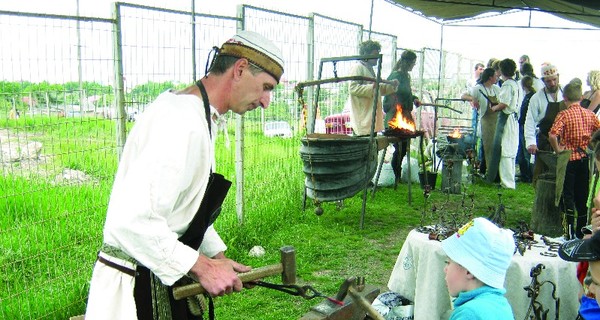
552 90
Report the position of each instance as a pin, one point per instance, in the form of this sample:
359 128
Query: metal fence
72 87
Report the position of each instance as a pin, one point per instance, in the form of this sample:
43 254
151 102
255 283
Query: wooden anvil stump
549 177
546 218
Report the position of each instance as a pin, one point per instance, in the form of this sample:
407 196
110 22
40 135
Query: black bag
585 103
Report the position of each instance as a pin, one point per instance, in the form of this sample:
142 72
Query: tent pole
371 18
440 67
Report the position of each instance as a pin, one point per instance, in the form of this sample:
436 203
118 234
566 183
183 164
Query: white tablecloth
419 276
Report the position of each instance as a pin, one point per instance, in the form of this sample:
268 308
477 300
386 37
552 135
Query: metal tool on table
533 291
287 269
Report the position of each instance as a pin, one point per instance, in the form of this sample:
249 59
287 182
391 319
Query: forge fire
401 126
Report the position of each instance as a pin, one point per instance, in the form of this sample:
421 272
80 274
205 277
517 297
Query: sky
574 52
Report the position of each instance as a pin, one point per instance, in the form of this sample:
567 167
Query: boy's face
456 277
594 269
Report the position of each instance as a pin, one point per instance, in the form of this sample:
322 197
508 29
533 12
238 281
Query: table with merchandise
419 276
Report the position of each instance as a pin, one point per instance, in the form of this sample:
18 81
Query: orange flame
400 122
455 134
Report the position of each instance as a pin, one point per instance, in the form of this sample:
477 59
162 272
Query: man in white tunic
509 106
162 206
539 103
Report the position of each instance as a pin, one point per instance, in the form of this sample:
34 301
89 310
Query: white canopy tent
452 11
565 33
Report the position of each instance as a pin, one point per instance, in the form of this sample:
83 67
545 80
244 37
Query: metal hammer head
343 291
288 262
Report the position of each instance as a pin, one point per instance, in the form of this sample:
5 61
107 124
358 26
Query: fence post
119 90
239 145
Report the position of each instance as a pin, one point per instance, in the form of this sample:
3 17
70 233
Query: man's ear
239 66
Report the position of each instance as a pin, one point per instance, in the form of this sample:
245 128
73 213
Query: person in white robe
509 105
161 181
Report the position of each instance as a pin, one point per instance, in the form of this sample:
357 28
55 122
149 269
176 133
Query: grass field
50 233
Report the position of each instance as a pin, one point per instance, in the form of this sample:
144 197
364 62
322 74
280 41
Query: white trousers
507 172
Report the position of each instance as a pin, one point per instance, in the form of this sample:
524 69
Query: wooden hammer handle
254 274
364 304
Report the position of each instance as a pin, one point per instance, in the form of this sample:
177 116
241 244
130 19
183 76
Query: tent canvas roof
452 11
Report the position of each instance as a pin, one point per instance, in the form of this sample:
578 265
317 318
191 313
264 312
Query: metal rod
193 22
441 106
339 79
371 18
376 99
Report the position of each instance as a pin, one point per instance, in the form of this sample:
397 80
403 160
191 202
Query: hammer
287 268
350 287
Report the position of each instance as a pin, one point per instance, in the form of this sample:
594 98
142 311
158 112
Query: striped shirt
575 126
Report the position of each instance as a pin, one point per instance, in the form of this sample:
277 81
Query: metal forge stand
391 140
311 138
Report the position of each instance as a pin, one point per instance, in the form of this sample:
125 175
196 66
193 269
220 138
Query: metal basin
335 166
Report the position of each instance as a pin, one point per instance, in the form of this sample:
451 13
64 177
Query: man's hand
595 216
239 268
218 276
417 102
532 149
595 219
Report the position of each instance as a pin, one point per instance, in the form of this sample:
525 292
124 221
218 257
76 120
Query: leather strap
119 267
200 86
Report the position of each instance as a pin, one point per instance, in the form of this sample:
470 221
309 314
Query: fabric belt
119 254
117 266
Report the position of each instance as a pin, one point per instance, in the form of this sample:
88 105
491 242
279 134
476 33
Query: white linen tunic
509 95
536 112
160 182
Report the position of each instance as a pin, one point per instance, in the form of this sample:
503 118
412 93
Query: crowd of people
516 116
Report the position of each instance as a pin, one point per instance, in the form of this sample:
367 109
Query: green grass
50 233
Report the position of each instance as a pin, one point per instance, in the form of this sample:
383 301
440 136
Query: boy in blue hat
479 254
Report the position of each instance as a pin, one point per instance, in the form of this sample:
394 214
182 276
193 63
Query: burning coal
401 126
455 134
399 122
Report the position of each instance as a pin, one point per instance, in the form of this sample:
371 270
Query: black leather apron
207 213
545 124
542 142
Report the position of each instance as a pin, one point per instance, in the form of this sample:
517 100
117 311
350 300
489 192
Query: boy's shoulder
482 303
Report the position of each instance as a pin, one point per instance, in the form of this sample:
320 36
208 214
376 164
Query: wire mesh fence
61 121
